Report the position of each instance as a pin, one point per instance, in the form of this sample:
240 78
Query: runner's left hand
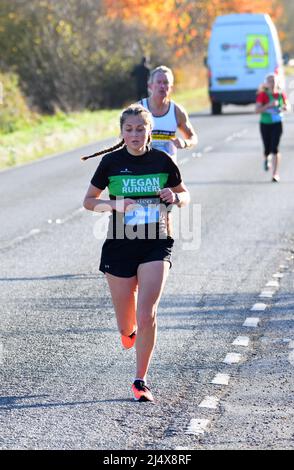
167 195
179 143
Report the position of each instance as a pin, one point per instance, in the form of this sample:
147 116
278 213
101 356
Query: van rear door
240 55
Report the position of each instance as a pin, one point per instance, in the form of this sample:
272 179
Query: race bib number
142 214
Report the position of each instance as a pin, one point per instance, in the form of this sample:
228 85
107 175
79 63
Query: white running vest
164 129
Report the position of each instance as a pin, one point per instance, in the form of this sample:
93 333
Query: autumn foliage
184 23
79 53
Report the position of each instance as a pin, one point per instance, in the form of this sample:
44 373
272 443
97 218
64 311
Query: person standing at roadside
271 101
141 73
168 117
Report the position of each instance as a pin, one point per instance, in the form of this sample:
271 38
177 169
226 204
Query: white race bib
143 213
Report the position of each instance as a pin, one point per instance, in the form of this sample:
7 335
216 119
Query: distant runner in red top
271 101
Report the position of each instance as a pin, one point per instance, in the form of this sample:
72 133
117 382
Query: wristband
177 199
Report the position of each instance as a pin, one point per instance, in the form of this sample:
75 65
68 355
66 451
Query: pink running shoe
141 391
128 341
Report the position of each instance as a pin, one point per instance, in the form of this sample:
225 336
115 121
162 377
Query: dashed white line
272 284
259 307
70 216
21 238
266 294
197 426
221 379
241 341
209 402
232 358
251 322
184 160
36 231
209 148
278 275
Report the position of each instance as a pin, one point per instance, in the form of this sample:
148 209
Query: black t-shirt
140 178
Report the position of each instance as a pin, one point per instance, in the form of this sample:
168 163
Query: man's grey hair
162 69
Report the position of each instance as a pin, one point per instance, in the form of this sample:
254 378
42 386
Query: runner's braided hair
133 110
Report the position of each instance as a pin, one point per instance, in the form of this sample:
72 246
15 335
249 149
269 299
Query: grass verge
61 132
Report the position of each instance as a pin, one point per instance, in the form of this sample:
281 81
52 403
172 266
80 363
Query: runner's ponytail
102 152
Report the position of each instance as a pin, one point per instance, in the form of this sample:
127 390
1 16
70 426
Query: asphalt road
65 381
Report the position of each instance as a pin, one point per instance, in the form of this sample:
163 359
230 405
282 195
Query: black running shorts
122 257
271 135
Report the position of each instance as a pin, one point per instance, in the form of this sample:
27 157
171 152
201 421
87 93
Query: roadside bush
14 110
70 56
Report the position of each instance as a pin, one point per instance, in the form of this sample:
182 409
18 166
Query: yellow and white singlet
164 129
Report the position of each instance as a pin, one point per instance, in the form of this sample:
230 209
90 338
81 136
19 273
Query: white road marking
272 284
36 231
291 345
232 358
241 341
251 322
184 160
209 148
221 379
229 138
278 275
21 238
197 154
197 426
209 402
266 294
259 307
70 216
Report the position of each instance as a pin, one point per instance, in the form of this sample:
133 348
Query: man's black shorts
122 257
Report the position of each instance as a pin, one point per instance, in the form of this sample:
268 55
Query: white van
243 49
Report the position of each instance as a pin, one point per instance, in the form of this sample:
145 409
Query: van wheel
216 108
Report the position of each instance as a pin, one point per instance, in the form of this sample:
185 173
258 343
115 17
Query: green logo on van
257 51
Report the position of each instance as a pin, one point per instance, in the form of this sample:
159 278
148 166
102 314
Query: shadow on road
61 277
10 403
